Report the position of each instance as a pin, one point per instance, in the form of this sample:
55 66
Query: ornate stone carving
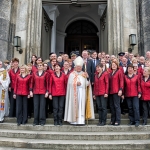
47 22
103 19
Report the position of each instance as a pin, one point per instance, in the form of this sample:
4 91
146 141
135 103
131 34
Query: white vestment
75 106
4 86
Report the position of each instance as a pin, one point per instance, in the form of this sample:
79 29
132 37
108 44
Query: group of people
67 88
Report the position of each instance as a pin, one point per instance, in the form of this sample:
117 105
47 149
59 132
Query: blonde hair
115 60
148 69
26 69
134 59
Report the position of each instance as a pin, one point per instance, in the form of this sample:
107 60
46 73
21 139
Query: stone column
60 40
143 25
122 22
129 23
114 11
28 27
53 14
5 10
34 28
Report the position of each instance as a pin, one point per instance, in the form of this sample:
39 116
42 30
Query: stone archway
81 35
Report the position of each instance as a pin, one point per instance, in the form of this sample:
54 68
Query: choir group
40 87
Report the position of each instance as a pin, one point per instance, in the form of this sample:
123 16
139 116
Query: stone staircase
69 137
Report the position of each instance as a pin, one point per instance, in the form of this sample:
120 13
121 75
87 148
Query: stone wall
143 16
5 10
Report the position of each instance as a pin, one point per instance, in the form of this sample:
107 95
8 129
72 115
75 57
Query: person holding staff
79 101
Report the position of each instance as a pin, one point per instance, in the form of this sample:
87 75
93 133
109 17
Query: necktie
94 63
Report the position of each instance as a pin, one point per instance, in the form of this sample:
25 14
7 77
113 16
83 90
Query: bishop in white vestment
4 100
79 101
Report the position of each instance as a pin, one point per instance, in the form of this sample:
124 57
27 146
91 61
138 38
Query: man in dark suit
95 60
51 56
88 66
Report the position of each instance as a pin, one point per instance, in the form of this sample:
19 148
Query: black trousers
146 110
133 106
102 108
47 107
39 108
21 109
58 107
115 108
30 106
12 110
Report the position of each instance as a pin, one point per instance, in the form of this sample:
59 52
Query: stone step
74 144
12 148
70 128
89 136
96 116
51 121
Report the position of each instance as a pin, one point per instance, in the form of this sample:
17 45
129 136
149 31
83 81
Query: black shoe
116 124
18 124
131 123
55 123
34 124
99 124
111 123
2 121
60 123
42 124
136 124
102 124
144 123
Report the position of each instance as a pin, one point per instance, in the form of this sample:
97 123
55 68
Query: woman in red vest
57 91
39 91
116 83
101 86
145 89
132 93
13 73
21 92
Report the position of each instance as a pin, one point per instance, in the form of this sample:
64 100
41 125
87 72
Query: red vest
131 86
13 77
145 89
58 85
101 84
22 85
39 84
116 82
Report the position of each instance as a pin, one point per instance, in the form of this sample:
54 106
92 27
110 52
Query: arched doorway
81 35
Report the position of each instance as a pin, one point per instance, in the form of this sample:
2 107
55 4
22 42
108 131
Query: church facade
72 25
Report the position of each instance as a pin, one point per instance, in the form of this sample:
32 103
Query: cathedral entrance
81 35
